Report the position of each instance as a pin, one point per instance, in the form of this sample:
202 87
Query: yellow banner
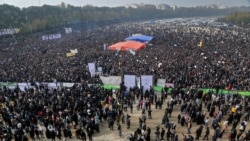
200 44
70 54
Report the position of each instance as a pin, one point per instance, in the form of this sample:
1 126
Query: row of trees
47 17
239 18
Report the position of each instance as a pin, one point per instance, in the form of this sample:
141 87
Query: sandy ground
106 135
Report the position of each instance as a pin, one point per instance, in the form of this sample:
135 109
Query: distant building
135 5
164 7
220 6
216 6
174 7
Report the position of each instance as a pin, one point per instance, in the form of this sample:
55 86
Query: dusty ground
106 135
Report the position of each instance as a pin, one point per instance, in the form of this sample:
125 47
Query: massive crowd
221 61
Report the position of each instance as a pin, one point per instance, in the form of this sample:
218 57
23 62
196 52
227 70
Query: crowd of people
221 61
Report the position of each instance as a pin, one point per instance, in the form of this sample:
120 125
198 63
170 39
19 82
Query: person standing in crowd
111 123
179 118
207 132
182 121
206 121
162 133
97 122
232 135
119 128
189 126
149 113
140 122
218 133
148 135
157 133
168 134
241 130
198 132
128 121
131 107
90 133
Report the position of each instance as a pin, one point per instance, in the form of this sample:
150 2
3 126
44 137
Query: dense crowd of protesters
221 61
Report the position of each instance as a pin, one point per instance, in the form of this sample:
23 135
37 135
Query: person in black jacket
128 121
182 121
149 113
232 135
162 133
32 132
90 133
168 134
80 134
198 132
179 118
147 137
206 133
119 128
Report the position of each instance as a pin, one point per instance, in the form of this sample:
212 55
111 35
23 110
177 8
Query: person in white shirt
206 121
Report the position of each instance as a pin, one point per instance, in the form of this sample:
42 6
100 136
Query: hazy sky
114 3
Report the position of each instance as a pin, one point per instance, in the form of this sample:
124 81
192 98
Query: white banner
161 82
146 82
104 46
68 30
58 36
51 37
52 85
23 85
92 69
44 37
66 84
99 69
74 51
129 81
111 80
138 80
9 31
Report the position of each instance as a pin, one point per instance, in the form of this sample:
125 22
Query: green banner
206 90
111 87
9 85
158 88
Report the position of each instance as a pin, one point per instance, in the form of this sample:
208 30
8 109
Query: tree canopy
45 17
238 18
